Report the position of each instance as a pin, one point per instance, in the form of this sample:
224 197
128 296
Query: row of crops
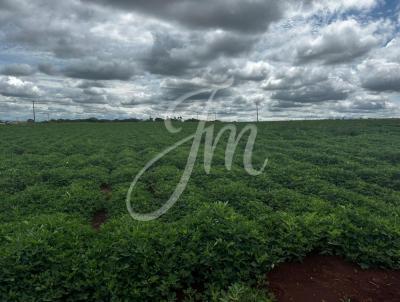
330 187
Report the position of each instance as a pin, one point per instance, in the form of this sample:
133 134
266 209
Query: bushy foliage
330 187
239 292
45 259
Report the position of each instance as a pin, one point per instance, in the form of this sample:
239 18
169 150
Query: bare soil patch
331 279
99 218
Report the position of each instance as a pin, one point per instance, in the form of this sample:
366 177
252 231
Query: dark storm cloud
135 102
312 94
286 107
17 70
231 15
62 28
226 44
6 4
281 105
369 105
18 93
161 60
96 99
67 47
48 69
65 41
89 84
387 83
95 69
241 101
172 89
93 95
179 55
365 104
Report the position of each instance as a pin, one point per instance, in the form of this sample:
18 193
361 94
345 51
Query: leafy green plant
241 293
330 186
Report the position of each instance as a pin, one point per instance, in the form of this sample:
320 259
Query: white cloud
339 42
344 5
251 71
295 77
15 87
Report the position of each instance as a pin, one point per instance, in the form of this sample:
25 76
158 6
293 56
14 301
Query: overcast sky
121 58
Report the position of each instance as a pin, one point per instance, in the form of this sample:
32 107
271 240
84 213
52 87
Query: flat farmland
330 188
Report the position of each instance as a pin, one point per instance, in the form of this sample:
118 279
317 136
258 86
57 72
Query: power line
45 113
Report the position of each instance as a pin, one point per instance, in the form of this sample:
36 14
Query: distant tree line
128 120
101 120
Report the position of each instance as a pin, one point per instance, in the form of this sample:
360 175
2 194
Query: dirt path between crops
331 279
99 218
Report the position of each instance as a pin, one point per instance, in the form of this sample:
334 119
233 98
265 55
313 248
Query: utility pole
215 115
33 110
257 111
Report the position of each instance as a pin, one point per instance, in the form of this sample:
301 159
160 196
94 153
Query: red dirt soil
99 218
331 279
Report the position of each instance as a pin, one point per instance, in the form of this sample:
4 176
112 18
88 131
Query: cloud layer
120 58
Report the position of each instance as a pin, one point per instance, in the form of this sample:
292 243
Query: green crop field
330 187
